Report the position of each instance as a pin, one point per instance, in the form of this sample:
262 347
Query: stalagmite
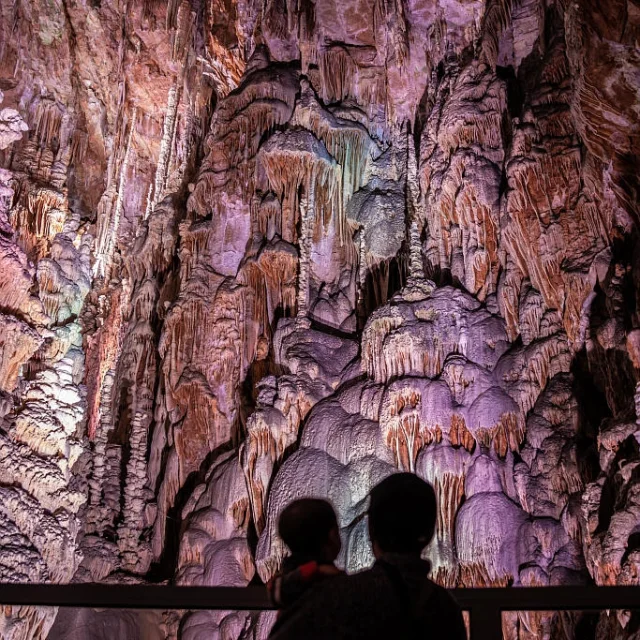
416 268
97 519
132 549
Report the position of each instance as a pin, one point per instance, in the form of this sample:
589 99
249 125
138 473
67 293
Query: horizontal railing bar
114 596
549 598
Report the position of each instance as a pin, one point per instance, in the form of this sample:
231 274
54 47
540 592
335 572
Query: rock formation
259 249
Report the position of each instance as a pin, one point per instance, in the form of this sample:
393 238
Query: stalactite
507 434
47 206
483 129
338 72
108 236
459 435
306 234
38 223
450 491
48 120
349 143
400 420
166 145
388 16
468 142
298 162
272 283
496 18
378 326
182 29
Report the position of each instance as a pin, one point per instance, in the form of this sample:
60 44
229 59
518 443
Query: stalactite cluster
260 249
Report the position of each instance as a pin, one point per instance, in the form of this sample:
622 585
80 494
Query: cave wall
252 250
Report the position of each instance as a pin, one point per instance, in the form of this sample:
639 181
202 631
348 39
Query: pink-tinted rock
254 250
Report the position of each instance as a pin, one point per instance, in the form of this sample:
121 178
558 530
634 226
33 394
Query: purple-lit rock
255 250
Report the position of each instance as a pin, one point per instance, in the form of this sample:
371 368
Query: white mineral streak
416 214
164 158
307 210
108 236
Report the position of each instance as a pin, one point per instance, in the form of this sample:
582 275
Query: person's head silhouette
402 515
309 527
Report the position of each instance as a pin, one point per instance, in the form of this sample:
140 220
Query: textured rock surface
258 249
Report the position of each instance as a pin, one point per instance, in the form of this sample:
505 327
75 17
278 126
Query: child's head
309 526
402 515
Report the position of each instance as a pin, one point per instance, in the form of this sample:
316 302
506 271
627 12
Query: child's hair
305 525
402 513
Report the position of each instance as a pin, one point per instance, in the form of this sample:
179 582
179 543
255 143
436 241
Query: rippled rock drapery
252 250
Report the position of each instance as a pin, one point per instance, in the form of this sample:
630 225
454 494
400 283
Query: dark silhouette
393 599
309 528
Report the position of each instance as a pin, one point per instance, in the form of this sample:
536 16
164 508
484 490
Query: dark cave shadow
165 568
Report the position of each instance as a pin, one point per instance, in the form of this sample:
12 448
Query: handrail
128 596
484 604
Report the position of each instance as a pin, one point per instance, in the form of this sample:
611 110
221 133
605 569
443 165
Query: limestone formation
260 249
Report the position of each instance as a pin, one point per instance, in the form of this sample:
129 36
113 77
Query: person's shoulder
444 601
339 607
443 607
360 589
443 595
349 582
369 578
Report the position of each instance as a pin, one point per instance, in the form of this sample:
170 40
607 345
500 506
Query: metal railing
485 606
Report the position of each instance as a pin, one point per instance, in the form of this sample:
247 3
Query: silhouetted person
309 528
393 599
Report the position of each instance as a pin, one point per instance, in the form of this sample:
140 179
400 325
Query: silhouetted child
309 528
395 598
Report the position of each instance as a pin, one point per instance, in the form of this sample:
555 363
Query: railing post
486 622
